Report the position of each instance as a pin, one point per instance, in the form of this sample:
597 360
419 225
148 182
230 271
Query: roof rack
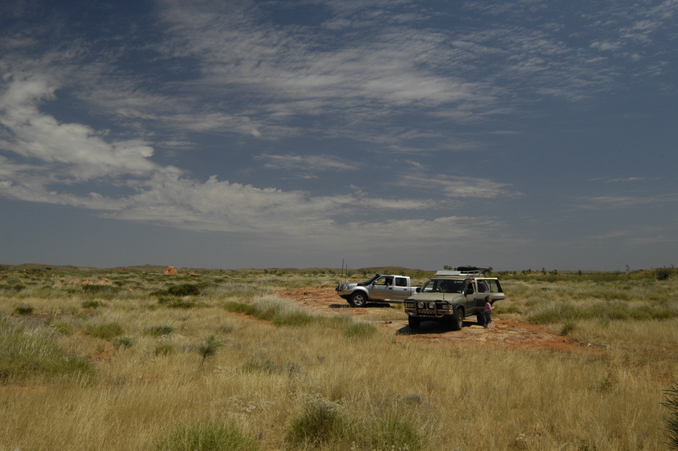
463 271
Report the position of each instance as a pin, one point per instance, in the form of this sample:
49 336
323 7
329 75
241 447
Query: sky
514 134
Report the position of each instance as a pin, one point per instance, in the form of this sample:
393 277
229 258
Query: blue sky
236 134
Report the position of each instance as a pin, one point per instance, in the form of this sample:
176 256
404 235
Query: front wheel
457 320
413 322
358 299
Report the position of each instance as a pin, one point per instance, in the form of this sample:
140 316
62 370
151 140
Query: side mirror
418 290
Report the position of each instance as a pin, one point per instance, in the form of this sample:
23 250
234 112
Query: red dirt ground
505 334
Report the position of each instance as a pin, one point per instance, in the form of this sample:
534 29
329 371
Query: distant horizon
547 270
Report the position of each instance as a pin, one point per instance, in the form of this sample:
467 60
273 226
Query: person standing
488 311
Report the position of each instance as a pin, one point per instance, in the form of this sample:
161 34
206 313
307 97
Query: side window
401 282
496 287
384 280
482 286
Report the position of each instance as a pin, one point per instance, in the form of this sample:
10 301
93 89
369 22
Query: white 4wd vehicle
450 296
379 288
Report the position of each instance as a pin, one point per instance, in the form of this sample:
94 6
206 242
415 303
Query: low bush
106 331
207 437
185 289
172 302
395 434
92 304
23 310
319 423
123 342
568 328
157 331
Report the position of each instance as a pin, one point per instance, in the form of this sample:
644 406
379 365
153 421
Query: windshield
370 280
443 286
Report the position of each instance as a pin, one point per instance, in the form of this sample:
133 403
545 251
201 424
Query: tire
413 322
358 299
481 319
457 320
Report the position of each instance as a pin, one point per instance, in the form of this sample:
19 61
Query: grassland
129 359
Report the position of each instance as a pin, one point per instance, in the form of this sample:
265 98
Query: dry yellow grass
262 376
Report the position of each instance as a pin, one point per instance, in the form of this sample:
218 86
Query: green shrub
209 348
671 403
319 423
92 304
28 351
207 437
124 342
105 331
360 330
157 331
24 310
568 328
185 289
663 273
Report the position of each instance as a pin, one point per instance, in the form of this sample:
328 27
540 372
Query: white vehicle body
379 288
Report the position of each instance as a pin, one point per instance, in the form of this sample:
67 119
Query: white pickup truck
379 288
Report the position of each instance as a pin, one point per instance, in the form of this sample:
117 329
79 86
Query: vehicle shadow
369 305
432 327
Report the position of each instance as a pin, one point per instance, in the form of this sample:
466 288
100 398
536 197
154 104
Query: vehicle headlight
420 305
431 305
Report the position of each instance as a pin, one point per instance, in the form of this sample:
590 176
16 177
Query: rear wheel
413 322
358 299
457 320
480 318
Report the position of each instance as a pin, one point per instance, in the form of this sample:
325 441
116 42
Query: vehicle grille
428 308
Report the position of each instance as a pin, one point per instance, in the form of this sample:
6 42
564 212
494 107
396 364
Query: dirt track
505 334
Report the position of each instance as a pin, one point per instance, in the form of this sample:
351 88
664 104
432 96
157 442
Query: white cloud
83 152
305 163
454 186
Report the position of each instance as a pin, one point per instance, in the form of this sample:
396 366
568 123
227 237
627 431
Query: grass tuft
207 437
360 330
24 310
671 403
158 331
320 422
209 348
105 331
28 352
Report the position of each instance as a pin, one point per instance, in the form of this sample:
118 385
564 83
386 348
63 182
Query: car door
470 295
382 288
400 289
